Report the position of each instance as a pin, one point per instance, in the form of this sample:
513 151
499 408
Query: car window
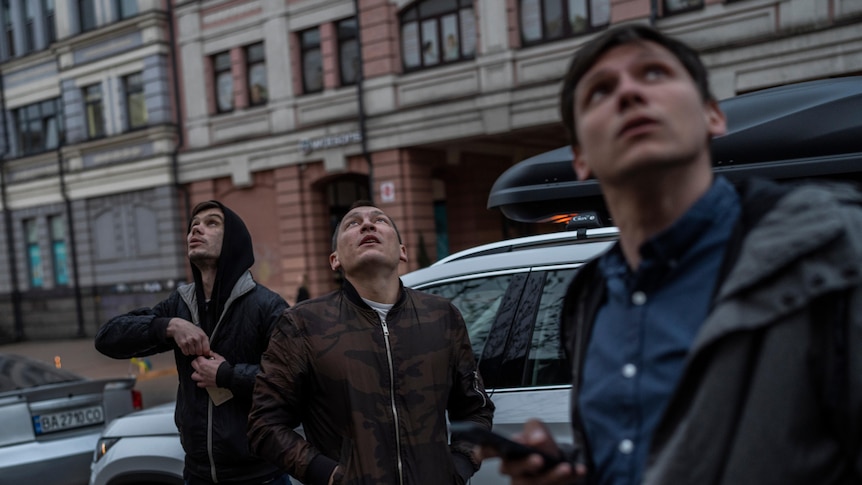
19 373
546 363
478 300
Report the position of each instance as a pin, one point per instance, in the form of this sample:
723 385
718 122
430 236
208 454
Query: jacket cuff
320 469
224 375
159 329
463 465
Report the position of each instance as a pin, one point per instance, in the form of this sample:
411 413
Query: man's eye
596 94
653 73
383 220
352 223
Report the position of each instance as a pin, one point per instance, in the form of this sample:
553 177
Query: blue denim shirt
644 329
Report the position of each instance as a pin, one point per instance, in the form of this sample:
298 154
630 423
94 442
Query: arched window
549 20
435 32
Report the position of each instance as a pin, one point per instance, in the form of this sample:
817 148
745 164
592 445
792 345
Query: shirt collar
670 244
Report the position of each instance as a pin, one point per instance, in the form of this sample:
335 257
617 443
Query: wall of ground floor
129 248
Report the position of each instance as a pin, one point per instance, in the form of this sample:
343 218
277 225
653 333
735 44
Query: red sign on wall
387 191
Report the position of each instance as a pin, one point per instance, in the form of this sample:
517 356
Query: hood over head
237 256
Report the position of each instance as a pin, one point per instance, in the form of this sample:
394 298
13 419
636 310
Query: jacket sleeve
277 407
854 352
468 400
138 333
239 377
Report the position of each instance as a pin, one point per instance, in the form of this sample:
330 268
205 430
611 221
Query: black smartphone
506 448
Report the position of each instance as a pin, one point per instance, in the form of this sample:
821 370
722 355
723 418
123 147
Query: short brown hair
586 57
360 203
202 206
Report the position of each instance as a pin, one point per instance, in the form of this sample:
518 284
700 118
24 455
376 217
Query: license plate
74 418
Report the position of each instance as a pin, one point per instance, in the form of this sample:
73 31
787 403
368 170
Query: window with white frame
30 26
126 8
136 106
40 126
678 6
435 32
9 28
549 20
50 25
86 15
59 254
255 63
35 271
94 111
223 79
348 51
312 61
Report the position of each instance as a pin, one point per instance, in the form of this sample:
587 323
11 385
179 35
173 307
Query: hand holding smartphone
506 448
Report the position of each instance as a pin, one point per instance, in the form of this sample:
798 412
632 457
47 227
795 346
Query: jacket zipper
476 387
392 400
227 305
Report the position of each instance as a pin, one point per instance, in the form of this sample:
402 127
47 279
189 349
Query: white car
142 448
511 295
52 418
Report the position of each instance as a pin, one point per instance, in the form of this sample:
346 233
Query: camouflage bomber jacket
347 378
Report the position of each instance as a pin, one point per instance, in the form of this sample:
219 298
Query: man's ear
403 255
582 170
716 122
334 263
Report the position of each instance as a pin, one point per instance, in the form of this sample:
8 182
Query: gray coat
772 388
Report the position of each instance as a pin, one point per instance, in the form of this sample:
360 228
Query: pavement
158 384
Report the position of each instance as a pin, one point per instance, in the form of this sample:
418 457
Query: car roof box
810 129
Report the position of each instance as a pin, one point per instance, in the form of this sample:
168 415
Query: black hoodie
238 321
237 256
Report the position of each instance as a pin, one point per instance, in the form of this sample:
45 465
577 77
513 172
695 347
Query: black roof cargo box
811 129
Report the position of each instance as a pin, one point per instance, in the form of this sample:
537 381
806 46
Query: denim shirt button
626 447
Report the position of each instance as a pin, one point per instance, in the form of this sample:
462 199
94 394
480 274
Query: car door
513 321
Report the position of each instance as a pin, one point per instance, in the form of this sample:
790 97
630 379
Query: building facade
289 110
89 142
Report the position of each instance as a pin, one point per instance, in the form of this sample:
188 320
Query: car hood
154 421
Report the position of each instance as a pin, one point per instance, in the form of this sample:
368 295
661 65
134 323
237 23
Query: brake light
137 399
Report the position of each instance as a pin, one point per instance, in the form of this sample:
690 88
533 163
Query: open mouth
637 126
369 240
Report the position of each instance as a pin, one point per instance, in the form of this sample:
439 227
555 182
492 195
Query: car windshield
22 373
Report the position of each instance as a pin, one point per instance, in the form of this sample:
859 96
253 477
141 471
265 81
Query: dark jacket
370 398
772 388
239 322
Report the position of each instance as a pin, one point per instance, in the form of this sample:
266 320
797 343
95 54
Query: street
157 385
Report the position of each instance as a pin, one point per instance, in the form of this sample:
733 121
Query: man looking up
218 327
370 371
717 342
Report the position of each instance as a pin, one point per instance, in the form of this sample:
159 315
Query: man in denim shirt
714 343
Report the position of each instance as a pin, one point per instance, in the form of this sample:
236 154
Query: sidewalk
80 356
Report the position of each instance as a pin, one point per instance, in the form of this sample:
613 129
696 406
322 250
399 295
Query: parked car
142 448
510 292
511 295
53 418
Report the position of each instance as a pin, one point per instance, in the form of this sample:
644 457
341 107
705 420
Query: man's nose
629 92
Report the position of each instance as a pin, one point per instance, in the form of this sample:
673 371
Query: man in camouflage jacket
370 372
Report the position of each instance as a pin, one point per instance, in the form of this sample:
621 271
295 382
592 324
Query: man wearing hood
218 327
